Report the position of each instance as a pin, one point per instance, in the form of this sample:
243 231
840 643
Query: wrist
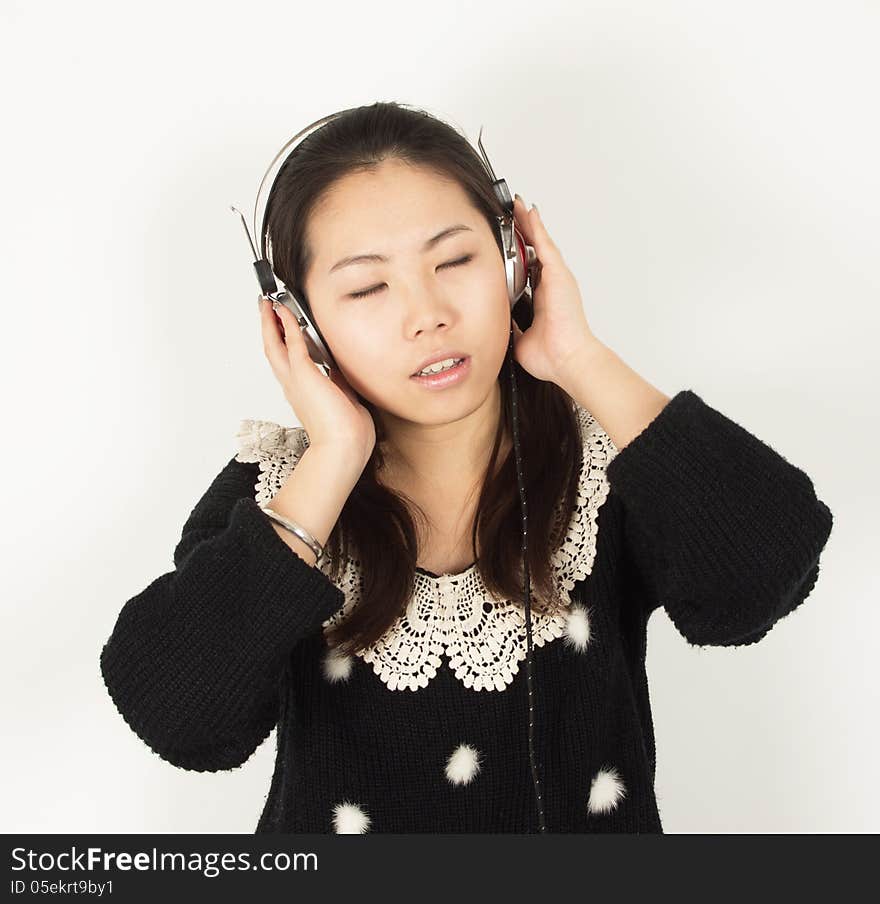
589 355
345 460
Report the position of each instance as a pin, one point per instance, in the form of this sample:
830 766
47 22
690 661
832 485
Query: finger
542 237
297 346
274 345
521 216
272 341
535 233
294 340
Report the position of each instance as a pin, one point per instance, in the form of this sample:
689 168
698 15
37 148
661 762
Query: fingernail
535 208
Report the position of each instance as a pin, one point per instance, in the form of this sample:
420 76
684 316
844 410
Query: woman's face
419 305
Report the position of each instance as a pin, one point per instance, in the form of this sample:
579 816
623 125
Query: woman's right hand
328 409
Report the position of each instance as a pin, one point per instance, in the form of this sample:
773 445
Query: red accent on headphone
521 245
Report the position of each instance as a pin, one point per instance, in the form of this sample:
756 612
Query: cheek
494 286
494 322
360 348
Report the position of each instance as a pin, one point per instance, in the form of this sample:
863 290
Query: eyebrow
373 258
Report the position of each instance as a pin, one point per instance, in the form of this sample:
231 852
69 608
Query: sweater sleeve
194 660
723 531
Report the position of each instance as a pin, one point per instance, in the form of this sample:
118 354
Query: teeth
439 366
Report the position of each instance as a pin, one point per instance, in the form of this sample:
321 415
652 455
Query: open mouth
447 377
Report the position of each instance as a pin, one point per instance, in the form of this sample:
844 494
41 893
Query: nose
427 307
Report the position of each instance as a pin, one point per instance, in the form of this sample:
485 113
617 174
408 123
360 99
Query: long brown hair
376 526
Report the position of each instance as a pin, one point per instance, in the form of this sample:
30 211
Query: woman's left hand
559 334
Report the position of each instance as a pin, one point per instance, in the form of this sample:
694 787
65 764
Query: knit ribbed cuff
734 528
194 661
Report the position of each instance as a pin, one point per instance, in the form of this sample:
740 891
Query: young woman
392 666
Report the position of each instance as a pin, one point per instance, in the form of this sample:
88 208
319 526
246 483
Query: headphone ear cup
520 268
317 347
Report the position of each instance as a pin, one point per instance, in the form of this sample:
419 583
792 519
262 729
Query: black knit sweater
702 518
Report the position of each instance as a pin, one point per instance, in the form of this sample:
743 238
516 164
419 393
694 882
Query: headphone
522 268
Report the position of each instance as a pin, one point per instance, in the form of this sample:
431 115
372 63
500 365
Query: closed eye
456 263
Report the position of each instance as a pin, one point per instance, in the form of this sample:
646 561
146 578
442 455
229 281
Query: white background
709 171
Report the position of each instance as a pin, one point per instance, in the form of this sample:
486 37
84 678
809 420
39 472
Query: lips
456 363
446 379
441 355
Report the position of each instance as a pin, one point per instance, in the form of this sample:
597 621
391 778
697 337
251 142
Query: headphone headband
304 133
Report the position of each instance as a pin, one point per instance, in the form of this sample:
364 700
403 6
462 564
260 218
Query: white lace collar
485 647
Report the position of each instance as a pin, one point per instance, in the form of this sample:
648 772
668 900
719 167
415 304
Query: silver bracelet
297 529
